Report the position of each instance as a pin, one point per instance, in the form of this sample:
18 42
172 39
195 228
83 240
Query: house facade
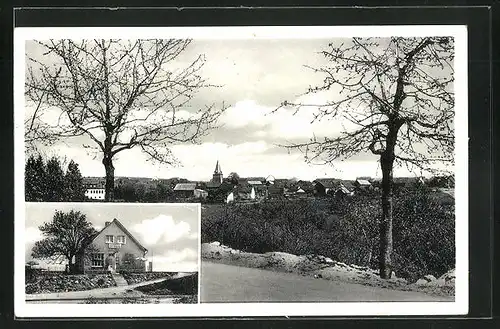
185 190
95 191
114 248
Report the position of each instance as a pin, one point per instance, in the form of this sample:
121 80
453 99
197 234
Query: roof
405 180
255 179
445 196
345 190
213 184
120 225
347 184
296 189
217 170
254 182
243 189
281 182
185 187
95 185
328 182
275 190
448 191
363 182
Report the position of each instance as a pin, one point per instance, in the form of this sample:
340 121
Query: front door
111 263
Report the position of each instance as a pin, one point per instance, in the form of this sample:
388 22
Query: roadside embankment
325 268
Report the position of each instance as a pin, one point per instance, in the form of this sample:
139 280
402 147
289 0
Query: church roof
217 170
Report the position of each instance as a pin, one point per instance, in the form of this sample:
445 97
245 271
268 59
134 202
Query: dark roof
281 182
243 189
328 182
295 189
262 187
405 180
120 225
95 185
275 190
347 184
212 184
185 187
217 170
259 179
444 195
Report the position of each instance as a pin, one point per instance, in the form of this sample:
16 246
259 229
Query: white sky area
169 232
255 76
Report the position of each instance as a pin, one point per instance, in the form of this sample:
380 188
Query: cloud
193 236
272 124
161 229
185 260
32 234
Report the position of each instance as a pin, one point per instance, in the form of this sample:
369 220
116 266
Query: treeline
134 191
49 181
345 230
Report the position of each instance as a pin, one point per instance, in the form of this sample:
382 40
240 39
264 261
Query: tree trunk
107 161
385 253
71 265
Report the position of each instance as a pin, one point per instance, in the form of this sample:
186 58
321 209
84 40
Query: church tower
217 176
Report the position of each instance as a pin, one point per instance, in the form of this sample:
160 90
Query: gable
115 228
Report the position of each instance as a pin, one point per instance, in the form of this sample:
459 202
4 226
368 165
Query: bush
129 263
342 229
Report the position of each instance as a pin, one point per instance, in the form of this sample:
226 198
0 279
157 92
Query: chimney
106 224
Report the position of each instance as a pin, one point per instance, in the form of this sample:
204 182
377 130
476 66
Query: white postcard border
459 306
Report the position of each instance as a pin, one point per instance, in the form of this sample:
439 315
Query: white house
199 193
95 191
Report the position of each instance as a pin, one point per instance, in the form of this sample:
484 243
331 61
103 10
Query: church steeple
217 168
217 177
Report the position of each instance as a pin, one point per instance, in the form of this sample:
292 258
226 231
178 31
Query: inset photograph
88 253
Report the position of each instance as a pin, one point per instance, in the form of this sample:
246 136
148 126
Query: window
110 239
121 239
98 259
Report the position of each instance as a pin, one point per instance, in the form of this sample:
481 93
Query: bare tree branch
120 93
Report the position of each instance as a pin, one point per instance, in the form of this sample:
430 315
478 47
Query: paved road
225 283
112 292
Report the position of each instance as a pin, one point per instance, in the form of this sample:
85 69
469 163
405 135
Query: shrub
342 229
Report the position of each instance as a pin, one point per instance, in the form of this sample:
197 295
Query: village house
362 185
95 191
185 190
333 187
200 194
241 193
323 186
301 188
274 192
114 248
295 191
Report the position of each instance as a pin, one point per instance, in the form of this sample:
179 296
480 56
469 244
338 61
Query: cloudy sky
255 77
169 232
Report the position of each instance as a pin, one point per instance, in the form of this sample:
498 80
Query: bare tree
119 93
395 96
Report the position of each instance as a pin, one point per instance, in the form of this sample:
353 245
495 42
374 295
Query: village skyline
332 174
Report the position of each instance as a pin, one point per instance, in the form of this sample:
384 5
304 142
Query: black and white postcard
293 171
